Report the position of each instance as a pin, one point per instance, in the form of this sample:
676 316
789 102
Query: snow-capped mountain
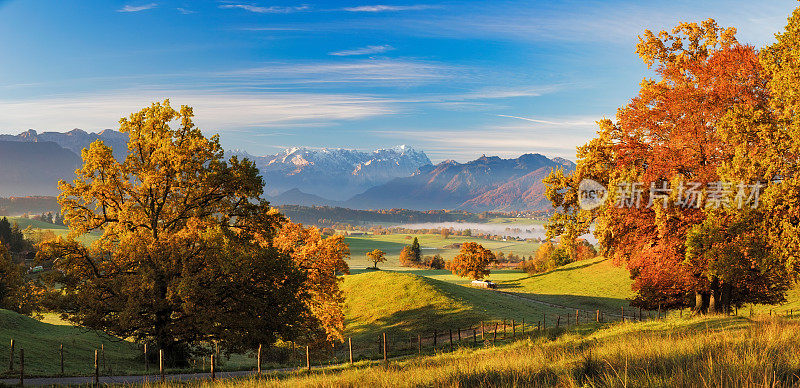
75 140
335 173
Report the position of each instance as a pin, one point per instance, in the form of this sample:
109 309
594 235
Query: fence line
388 346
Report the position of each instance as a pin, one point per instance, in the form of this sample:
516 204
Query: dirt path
140 379
529 299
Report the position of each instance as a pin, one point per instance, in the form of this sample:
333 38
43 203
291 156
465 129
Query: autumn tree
376 256
322 259
184 256
445 232
13 289
704 119
472 261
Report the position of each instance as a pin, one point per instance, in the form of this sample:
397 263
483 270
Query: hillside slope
41 343
588 285
404 303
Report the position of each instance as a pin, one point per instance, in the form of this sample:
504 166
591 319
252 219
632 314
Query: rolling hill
41 342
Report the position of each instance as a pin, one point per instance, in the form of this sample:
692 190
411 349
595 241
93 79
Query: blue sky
456 79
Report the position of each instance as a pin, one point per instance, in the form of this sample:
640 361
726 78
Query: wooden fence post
161 363
147 361
483 332
558 321
504 329
523 326
459 335
11 357
544 321
61 356
96 368
577 316
435 339
308 358
213 367
419 345
474 336
259 359
22 367
513 329
350 347
495 333
598 316
385 351
622 313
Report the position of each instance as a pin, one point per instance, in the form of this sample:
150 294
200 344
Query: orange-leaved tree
694 126
322 259
376 256
472 261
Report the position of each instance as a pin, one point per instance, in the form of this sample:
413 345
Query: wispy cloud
137 8
384 72
260 9
501 140
216 111
185 11
566 123
363 50
390 8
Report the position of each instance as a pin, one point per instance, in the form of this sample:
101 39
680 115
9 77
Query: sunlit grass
714 351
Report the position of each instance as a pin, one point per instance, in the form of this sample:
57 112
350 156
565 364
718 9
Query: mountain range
335 173
487 183
75 140
398 177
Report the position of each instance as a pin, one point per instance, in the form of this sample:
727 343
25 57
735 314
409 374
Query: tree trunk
715 302
698 303
726 298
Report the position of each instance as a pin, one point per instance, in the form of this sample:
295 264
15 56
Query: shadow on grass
516 282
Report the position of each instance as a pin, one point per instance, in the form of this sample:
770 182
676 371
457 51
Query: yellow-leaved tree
181 260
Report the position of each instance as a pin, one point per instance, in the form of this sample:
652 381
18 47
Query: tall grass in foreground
712 352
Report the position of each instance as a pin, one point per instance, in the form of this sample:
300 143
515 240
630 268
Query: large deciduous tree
182 258
706 118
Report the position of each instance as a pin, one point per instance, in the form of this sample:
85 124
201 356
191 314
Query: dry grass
709 352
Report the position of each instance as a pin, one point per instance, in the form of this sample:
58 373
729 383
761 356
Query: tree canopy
185 254
678 163
376 256
472 261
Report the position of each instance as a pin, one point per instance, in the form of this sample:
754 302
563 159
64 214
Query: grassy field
431 244
403 304
59 230
691 352
41 342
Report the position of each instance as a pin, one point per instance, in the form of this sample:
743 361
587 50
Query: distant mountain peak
486 183
335 173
